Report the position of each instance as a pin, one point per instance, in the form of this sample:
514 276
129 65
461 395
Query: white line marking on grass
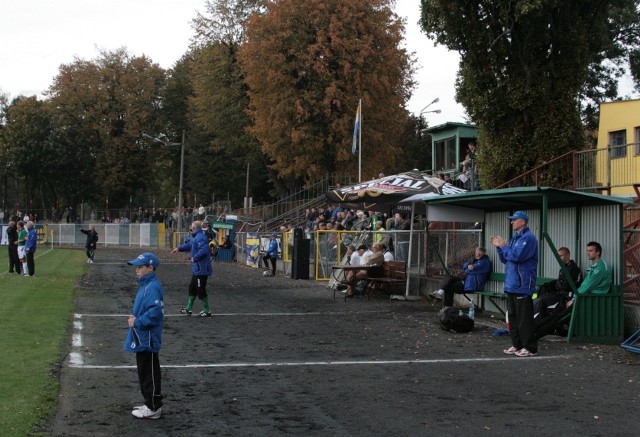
35 257
330 363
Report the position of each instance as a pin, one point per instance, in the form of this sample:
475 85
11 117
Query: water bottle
472 312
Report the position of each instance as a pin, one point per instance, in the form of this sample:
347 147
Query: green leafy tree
218 106
107 103
28 148
307 64
523 68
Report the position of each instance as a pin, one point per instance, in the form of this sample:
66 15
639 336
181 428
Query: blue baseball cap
145 259
519 215
274 234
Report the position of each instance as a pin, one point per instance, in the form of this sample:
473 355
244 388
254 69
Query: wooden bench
393 278
495 296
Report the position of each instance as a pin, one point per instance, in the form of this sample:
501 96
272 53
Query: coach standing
520 257
30 247
201 269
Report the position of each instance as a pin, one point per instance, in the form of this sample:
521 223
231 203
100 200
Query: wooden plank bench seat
495 296
393 278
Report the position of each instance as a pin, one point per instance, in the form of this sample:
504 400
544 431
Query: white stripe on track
328 313
328 363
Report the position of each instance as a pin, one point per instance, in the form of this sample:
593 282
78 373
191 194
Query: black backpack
454 319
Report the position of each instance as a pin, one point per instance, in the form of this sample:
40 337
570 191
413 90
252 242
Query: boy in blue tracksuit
145 334
201 269
520 257
272 254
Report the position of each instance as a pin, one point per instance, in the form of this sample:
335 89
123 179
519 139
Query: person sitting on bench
476 273
374 264
597 280
553 296
598 277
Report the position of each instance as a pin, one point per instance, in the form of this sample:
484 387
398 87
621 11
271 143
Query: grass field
35 313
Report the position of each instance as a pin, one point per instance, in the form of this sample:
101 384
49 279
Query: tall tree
219 102
27 151
307 64
522 71
109 102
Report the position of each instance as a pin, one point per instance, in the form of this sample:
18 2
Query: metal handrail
537 168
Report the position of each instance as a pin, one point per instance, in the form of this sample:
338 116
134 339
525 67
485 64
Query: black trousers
150 381
521 325
198 286
273 263
31 265
14 261
451 285
90 252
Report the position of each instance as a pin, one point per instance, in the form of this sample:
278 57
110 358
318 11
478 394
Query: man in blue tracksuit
30 246
200 267
520 257
145 334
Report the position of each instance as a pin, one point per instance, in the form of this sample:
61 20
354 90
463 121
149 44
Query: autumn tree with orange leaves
306 65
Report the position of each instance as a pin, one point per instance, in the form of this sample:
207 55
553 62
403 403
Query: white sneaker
437 294
90 261
146 413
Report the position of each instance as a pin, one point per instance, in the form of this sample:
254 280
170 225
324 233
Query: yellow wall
615 116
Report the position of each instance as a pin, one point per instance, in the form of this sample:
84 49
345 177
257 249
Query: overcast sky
37 36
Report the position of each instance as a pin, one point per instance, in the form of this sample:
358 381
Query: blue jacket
476 278
148 308
200 254
32 241
272 250
520 257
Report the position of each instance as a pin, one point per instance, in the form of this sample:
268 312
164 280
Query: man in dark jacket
145 334
520 256
12 240
553 296
92 242
200 267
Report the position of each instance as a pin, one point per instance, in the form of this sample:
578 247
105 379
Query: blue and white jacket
476 278
520 257
200 254
32 241
148 308
272 250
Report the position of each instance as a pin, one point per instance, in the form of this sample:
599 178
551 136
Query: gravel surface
281 356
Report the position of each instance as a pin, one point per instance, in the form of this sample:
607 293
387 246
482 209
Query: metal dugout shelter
557 218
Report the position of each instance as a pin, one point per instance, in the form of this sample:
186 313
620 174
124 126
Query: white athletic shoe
437 294
146 413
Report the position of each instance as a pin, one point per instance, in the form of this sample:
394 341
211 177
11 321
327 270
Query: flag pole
360 144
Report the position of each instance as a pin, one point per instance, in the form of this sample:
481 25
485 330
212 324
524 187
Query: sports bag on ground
454 319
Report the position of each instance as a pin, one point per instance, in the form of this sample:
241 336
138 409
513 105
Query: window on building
637 139
445 154
618 143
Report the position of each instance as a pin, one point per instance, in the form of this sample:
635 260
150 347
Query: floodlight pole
180 189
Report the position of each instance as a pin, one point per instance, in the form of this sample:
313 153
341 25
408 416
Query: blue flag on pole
356 128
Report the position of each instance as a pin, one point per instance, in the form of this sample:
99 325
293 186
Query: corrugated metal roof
509 199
